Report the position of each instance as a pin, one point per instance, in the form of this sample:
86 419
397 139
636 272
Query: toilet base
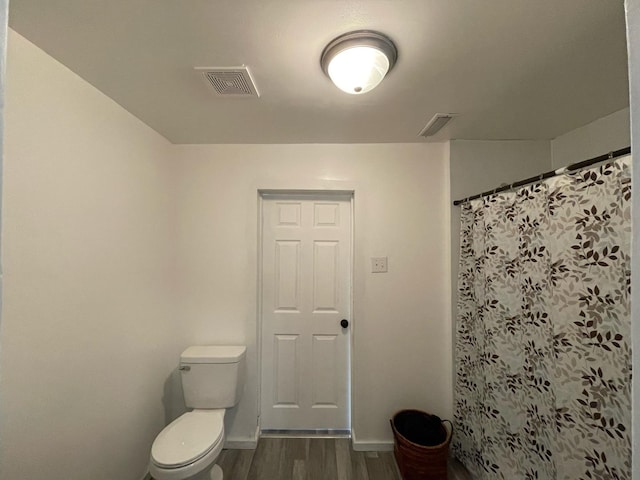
216 473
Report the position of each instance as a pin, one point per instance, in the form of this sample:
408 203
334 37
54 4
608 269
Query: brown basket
419 462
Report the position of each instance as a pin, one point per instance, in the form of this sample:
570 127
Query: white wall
88 334
633 46
4 17
97 306
599 137
480 165
95 314
401 320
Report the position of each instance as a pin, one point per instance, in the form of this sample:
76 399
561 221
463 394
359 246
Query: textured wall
601 136
401 322
88 339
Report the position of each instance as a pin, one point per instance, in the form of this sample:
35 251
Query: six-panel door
306 281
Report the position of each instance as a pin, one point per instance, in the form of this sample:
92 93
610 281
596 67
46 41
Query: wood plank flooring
310 459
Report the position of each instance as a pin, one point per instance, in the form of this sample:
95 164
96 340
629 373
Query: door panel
287 278
325 281
306 291
285 366
323 355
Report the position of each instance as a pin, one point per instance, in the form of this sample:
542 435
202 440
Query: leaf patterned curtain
543 347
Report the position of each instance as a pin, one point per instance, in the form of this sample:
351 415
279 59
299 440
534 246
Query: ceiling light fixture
356 62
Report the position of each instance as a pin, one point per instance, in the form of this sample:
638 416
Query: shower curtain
543 347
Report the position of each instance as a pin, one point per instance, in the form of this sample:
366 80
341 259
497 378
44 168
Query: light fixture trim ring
359 38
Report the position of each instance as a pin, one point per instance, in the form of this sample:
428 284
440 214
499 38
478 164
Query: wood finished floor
310 459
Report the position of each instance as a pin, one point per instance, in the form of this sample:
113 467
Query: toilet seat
188 438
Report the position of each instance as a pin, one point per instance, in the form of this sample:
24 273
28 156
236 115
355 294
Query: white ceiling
512 69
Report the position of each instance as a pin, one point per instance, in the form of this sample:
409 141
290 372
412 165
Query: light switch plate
379 264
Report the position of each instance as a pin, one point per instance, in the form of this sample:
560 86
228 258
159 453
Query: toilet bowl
188 446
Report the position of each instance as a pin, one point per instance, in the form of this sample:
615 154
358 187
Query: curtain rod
552 173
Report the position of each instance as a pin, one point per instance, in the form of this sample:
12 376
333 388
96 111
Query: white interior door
306 293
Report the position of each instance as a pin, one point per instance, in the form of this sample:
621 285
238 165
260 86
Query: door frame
311 193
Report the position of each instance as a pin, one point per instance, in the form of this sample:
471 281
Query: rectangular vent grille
438 121
230 81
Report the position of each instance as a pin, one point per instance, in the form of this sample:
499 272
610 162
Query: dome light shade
359 69
358 61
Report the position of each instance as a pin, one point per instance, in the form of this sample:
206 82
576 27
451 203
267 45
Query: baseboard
372 446
243 443
369 445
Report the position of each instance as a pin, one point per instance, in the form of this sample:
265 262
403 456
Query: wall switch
379 264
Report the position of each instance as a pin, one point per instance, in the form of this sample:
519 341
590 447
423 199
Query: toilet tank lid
213 354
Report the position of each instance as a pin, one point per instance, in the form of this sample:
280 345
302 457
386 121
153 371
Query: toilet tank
212 376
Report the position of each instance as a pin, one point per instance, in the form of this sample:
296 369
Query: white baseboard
243 443
370 445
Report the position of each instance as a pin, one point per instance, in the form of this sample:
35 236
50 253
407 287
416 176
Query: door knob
344 323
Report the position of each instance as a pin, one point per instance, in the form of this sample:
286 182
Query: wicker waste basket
421 445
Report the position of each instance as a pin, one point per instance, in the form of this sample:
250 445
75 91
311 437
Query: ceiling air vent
438 121
230 81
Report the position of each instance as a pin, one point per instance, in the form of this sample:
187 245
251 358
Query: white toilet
187 448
